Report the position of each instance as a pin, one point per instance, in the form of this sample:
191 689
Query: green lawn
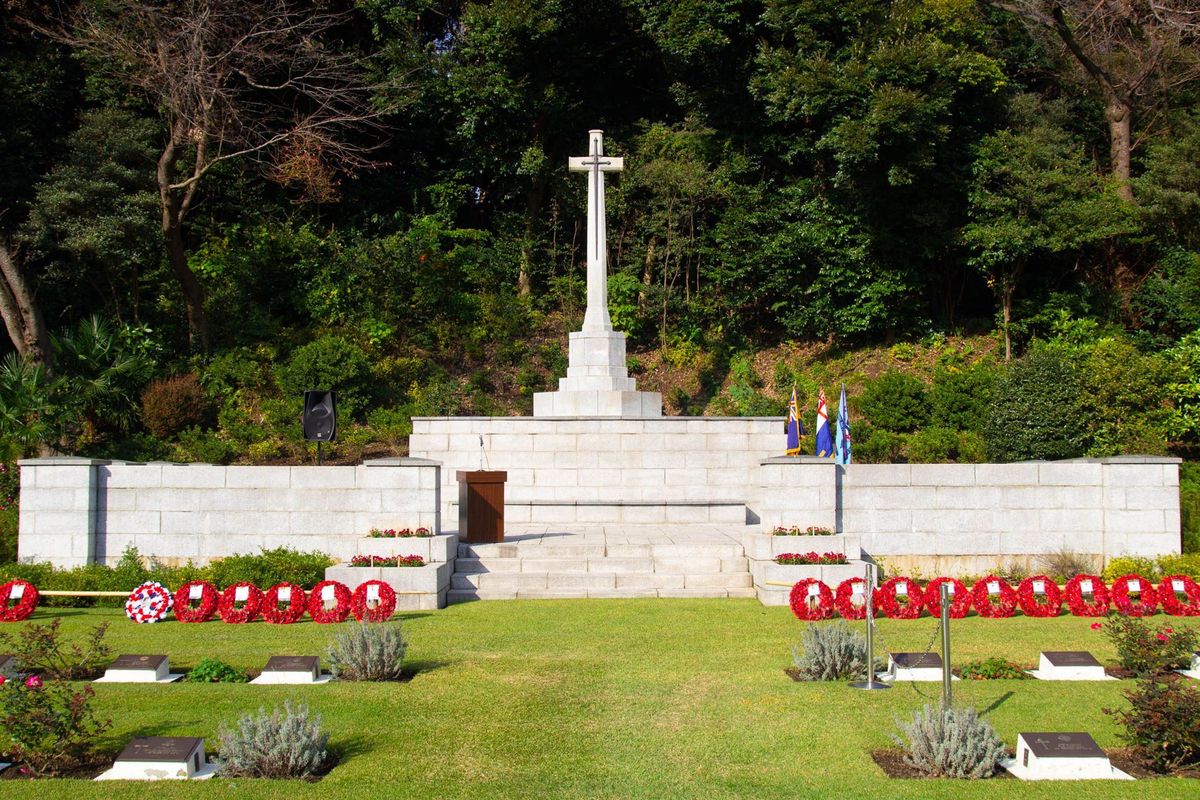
600 698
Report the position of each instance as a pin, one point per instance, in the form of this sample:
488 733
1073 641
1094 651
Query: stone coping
603 503
664 418
80 461
804 459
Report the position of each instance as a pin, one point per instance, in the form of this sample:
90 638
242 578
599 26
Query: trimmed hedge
265 569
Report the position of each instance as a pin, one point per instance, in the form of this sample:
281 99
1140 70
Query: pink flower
33 682
1096 626
1162 637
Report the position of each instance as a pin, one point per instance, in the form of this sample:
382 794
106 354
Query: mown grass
600 699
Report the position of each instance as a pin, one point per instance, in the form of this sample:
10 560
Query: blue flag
824 436
842 445
795 428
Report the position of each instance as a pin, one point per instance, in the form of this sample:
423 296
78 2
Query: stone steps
468 595
649 561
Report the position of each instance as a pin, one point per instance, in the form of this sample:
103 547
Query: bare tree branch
271 81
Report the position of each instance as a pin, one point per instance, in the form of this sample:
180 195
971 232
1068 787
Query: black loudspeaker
320 416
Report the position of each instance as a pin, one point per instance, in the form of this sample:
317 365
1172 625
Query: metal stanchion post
869 601
945 591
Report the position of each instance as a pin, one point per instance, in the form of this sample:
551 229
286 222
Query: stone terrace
539 561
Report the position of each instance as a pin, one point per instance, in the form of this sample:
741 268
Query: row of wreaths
1036 596
239 603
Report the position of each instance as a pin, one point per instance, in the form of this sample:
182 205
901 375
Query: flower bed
402 533
811 557
811 530
431 548
384 561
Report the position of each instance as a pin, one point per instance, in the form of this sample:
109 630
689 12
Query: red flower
205 607
809 607
1075 591
1162 637
341 602
843 599
377 610
994 588
1167 591
960 598
3 680
297 602
33 682
24 605
1168 630
887 598
1146 602
251 603
1096 626
1044 603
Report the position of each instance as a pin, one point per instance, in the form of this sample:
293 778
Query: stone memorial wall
75 510
965 518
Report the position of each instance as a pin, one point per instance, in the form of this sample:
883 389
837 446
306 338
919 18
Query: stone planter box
434 549
417 588
766 573
764 546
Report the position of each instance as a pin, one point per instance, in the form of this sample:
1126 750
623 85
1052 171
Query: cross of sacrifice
595 164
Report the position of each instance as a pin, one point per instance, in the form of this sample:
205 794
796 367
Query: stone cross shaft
595 164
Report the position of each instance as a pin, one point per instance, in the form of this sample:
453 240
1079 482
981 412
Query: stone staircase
605 561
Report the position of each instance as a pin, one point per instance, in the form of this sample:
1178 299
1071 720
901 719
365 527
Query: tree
1134 52
1035 197
268 81
22 316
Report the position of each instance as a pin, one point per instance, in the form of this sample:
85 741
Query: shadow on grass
346 749
999 701
414 668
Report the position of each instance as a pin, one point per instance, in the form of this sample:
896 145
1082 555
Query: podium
481 506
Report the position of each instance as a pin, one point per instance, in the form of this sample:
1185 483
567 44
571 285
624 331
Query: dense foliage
903 174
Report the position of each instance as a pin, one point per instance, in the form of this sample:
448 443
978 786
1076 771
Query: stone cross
595 164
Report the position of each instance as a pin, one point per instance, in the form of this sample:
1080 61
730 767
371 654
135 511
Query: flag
795 428
842 438
823 436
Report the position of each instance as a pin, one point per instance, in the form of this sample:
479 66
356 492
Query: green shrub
369 651
271 567
1146 650
830 652
1189 507
330 362
994 668
876 446
1035 411
265 569
211 670
282 744
1162 724
960 398
896 401
41 649
174 404
1184 564
950 742
1124 401
933 446
204 447
51 728
1125 565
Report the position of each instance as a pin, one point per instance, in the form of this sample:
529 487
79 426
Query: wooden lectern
481 506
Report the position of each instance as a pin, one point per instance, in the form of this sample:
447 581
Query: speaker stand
319 443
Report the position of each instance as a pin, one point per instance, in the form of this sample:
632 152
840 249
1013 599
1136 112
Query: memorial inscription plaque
1071 658
917 660
137 662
